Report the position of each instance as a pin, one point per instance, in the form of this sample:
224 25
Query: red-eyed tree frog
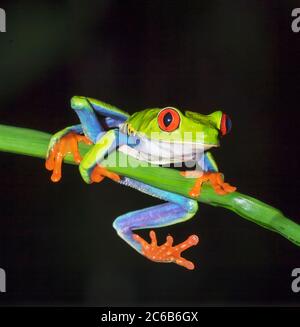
158 136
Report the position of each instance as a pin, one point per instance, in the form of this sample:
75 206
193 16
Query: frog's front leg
208 173
178 209
66 140
90 167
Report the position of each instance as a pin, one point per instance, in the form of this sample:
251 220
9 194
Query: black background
57 243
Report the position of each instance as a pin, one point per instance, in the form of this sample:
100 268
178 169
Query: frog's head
171 125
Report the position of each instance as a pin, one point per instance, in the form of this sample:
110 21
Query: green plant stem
34 143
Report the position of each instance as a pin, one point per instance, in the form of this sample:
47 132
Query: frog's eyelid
172 108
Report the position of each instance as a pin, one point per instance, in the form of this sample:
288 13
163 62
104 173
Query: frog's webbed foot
167 252
215 179
63 146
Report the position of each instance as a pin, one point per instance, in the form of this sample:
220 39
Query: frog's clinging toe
100 172
216 181
67 144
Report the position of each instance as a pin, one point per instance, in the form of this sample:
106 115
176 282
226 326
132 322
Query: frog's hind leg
86 109
178 209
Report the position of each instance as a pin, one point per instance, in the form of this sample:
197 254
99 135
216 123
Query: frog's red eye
168 119
225 124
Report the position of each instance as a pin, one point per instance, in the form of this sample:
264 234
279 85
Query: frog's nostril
225 124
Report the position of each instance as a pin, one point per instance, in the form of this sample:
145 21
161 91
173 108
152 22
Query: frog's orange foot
216 180
100 172
67 144
167 252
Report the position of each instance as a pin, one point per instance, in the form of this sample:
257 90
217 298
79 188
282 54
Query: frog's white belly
159 152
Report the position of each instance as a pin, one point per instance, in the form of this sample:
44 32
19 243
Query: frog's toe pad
167 252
